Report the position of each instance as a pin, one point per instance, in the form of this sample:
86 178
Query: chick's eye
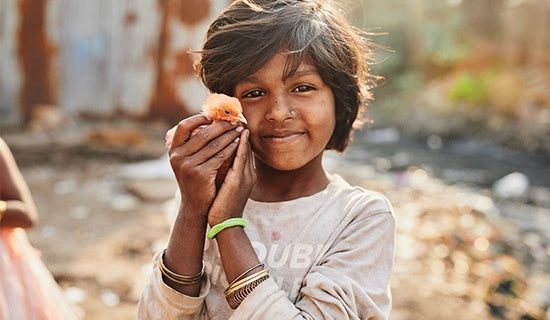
253 94
227 112
303 88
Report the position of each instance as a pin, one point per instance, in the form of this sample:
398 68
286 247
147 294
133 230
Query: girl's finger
204 136
250 165
216 147
184 129
243 153
216 160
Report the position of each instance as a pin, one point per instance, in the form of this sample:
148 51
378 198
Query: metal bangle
245 272
178 278
239 284
235 298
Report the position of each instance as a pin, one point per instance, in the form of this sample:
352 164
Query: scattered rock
512 186
110 298
152 190
149 169
46 118
123 202
459 243
116 137
75 294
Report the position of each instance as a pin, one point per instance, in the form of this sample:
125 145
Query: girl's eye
303 88
253 94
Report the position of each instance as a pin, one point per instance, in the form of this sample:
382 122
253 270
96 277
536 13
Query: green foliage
468 88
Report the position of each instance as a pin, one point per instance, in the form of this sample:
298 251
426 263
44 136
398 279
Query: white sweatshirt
330 256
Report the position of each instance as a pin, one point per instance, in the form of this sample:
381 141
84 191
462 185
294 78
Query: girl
27 288
282 238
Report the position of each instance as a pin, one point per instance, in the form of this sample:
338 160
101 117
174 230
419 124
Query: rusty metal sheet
102 56
10 75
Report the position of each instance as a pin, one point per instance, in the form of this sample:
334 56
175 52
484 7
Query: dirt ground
103 216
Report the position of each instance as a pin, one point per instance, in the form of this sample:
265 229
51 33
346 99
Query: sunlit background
459 141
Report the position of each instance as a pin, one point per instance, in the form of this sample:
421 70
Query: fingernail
237 139
239 129
234 123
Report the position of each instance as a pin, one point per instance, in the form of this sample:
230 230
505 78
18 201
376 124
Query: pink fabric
27 288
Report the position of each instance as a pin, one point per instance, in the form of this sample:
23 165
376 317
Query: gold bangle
163 271
245 272
3 208
178 278
239 284
236 297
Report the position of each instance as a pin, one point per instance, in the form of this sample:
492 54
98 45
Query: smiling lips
283 137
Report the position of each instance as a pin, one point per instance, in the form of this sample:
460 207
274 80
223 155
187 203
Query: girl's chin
285 164
280 164
287 161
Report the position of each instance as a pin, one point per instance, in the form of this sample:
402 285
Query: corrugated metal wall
102 56
10 77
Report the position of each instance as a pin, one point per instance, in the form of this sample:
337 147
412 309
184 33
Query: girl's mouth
282 137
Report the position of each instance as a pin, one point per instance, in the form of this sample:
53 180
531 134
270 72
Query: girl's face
291 120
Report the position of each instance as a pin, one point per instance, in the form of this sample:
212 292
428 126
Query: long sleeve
159 301
352 281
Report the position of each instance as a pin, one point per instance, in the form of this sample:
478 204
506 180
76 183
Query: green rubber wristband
231 222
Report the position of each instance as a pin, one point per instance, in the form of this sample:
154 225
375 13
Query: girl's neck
274 185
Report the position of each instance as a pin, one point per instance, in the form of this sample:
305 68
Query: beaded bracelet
178 278
231 222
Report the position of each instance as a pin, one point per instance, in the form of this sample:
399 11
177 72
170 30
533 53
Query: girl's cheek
252 120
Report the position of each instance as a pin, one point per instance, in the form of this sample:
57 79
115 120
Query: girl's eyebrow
252 79
304 72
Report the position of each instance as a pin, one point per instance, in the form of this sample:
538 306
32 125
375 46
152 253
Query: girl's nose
279 110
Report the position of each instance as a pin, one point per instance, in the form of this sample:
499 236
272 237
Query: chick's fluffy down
218 107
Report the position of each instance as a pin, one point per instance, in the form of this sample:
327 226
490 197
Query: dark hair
248 33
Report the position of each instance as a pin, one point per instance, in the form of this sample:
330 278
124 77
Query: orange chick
218 107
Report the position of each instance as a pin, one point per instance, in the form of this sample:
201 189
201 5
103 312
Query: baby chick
218 107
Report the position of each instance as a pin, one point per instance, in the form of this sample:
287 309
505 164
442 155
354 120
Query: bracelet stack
238 290
178 278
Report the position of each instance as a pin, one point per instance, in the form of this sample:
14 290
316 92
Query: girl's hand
237 186
195 158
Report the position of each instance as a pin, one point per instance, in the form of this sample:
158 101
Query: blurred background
459 141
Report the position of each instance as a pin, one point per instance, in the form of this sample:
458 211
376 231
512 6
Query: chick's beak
241 118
